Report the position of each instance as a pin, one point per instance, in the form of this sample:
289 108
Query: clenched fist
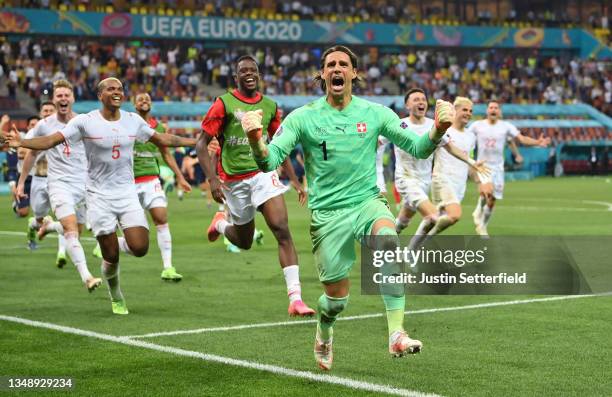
444 116
251 123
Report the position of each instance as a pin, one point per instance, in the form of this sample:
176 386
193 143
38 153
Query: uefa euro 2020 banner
30 21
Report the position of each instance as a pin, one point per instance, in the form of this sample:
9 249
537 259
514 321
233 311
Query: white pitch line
604 203
311 376
11 233
564 209
364 316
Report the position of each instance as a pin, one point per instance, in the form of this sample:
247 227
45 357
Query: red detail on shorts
396 195
145 178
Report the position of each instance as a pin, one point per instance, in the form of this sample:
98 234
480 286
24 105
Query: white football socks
77 255
292 279
164 241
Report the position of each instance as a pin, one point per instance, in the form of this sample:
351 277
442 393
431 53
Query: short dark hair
335 48
242 58
32 118
412 91
45 103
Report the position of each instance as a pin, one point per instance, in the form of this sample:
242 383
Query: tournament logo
320 131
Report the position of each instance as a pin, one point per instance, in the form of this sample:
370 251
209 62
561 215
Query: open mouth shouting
63 107
337 83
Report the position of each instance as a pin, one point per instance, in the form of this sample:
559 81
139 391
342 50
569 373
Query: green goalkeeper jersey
147 157
340 149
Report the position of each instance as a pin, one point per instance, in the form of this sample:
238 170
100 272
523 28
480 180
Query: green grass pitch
546 347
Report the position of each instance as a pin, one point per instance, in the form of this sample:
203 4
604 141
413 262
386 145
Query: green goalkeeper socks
395 306
328 309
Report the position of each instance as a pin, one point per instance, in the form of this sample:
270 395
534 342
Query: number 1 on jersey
324 147
116 152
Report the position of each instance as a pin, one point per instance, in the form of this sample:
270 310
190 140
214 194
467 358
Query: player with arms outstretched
109 135
67 173
492 133
38 192
339 134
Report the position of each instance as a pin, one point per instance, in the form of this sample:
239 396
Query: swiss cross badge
362 128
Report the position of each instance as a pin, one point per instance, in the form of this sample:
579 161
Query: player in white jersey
450 173
38 192
67 171
22 206
380 168
492 135
109 135
413 176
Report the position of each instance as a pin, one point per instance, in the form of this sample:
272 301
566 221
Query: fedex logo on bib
362 128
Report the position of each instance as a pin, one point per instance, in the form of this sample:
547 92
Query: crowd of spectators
480 12
190 72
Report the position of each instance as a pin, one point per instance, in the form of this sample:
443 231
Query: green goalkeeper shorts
333 234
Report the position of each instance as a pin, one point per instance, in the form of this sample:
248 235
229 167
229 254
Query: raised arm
528 141
476 166
269 157
423 146
171 140
40 143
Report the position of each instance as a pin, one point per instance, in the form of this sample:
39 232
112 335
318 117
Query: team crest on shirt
362 128
404 125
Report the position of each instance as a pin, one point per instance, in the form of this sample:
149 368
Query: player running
413 176
67 172
449 172
240 183
339 134
149 188
109 135
37 192
492 134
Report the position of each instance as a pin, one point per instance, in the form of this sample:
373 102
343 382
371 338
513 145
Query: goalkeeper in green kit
339 135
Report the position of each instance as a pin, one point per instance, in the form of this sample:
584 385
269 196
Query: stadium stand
593 14
173 72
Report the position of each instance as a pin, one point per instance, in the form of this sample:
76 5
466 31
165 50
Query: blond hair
461 100
61 84
102 83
